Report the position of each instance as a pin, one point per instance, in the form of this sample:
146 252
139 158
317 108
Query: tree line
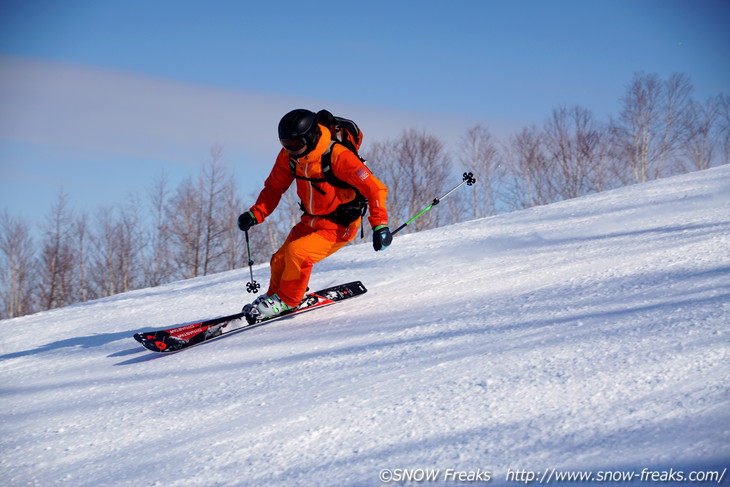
167 234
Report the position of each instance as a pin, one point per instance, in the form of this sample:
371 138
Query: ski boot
265 307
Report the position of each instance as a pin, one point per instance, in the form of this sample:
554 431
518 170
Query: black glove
381 237
246 221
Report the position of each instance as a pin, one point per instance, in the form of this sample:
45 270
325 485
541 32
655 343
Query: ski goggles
294 146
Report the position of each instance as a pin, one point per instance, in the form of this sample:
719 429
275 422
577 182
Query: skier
333 184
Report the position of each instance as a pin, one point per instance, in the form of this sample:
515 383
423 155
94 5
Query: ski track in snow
589 334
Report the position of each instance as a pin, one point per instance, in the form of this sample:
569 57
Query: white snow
586 335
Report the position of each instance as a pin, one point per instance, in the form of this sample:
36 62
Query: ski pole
251 286
468 178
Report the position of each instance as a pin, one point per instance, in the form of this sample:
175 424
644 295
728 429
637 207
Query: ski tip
154 345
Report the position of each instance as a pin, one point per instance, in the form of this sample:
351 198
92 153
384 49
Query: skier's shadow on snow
137 360
89 341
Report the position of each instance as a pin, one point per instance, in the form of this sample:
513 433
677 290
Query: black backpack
344 132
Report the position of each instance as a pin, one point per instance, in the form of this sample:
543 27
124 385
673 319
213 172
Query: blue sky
101 97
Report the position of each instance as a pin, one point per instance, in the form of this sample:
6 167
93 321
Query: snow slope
586 335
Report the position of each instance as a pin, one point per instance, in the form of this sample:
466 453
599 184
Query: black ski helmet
299 131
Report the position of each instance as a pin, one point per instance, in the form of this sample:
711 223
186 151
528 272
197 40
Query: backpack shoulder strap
329 175
326 158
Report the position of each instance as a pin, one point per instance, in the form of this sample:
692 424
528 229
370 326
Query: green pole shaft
468 179
412 219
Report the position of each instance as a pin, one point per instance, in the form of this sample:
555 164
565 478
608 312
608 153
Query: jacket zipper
311 194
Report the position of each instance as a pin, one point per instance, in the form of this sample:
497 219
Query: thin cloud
70 105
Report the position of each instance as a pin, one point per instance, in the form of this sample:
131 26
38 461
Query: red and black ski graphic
185 336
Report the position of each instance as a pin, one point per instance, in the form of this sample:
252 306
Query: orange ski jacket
324 198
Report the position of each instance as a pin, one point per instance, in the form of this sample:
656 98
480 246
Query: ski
185 336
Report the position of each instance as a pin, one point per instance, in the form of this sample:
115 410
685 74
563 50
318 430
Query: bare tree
723 126
16 267
415 169
198 219
157 261
185 227
57 260
593 142
216 186
578 156
103 268
526 185
677 103
81 235
701 134
636 122
649 127
478 154
116 264
233 239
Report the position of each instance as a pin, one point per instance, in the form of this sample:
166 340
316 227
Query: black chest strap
345 213
329 175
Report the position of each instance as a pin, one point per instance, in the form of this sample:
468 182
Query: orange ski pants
291 265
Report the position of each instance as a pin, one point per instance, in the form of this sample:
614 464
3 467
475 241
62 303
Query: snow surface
589 334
